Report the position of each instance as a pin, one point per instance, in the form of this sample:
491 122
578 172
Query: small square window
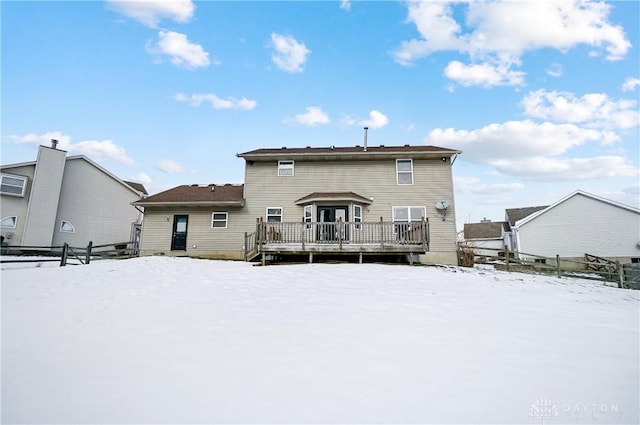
285 168
274 215
219 220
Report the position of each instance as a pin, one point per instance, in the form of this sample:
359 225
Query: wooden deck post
381 233
360 257
310 257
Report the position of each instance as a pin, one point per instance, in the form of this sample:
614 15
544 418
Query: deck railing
385 234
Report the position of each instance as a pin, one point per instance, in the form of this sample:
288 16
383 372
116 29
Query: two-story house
58 199
349 201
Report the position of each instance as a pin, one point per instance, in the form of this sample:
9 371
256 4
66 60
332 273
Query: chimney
366 129
54 143
485 220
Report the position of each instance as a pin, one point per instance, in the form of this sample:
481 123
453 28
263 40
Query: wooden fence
592 267
66 254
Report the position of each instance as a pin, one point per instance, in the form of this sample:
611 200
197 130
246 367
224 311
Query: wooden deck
337 238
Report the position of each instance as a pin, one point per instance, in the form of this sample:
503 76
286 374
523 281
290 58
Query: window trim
13 176
214 220
284 165
68 223
398 172
15 222
357 218
408 207
307 216
267 215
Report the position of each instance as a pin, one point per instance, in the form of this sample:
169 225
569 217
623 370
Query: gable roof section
333 196
134 187
577 193
197 195
488 230
516 214
351 152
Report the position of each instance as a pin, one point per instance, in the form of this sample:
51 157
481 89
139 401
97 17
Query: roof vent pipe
54 143
366 129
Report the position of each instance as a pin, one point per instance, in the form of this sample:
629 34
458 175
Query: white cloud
544 168
181 51
594 110
514 139
345 5
500 32
555 70
465 184
96 150
313 116
150 12
289 54
484 74
630 84
141 177
197 99
376 120
170 166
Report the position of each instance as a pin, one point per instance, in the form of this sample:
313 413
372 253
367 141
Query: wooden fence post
620 274
507 254
88 255
65 249
558 265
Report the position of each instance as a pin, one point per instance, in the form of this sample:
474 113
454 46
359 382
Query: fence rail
592 267
66 254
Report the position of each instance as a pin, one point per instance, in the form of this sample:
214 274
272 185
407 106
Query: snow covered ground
177 340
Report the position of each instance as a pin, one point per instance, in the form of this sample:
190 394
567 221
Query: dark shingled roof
515 214
348 149
138 186
487 230
211 194
315 196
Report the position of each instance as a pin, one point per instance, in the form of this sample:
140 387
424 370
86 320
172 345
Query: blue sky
541 97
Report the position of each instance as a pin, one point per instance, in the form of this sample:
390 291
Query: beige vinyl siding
157 232
16 206
98 206
371 179
45 193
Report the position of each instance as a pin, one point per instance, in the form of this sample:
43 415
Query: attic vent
213 187
382 146
284 147
194 185
308 147
406 146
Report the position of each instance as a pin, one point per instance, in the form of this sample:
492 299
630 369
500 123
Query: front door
329 230
179 239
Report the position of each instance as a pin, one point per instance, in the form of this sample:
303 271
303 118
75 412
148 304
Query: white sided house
58 199
487 238
580 224
336 201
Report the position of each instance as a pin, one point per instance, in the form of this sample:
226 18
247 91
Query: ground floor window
308 212
409 214
9 222
66 227
274 215
357 216
219 220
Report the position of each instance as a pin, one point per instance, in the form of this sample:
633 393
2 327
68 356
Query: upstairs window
219 220
9 222
274 215
285 168
13 185
404 171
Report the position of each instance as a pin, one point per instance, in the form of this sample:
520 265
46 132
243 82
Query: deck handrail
393 233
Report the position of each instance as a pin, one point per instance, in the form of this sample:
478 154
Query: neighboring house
580 224
487 237
394 200
511 216
58 199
